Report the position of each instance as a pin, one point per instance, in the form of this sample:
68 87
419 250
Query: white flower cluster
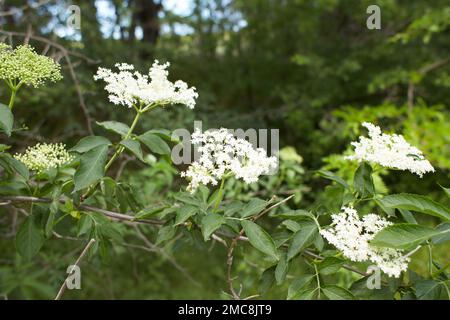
391 151
221 154
129 87
44 156
351 235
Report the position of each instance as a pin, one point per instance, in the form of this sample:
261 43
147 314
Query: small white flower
128 87
391 151
44 156
222 154
351 235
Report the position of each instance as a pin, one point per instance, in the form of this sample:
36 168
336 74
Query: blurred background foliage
311 69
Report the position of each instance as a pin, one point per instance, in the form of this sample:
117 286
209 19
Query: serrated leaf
115 126
89 143
416 203
337 293
281 269
29 239
255 206
6 119
404 235
134 147
442 237
428 290
260 239
330 265
92 167
185 213
154 143
297 286
210 223
302 239
84 225
362 181
331 176
14 165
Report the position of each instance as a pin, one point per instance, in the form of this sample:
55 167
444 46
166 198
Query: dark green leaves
29 239
405 235
302 239
184 213
90 142
330 265
297 288
331 176
210 223
337 293
428 290
260 239
416 203
92 167
12 165
116 127
134 147
362 181
253 207
6 120
154 143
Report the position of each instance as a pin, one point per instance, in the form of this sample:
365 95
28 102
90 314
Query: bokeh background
311 69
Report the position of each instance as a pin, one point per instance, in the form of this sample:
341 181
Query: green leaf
307 294
295 214
188 199
443 237
281 269
446 190
29 239
84 224
154 143
185 213
404 235
255 206
330 265
134 147
297 286
92 167
302 239
210 223
428 290
14 165
6 119
407 216
151 211
337 293
331 176
260 239
362 181
416 203
116 127
267 279
165 233
90 142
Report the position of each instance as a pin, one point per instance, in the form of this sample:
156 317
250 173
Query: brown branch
83 253
51 43
108 213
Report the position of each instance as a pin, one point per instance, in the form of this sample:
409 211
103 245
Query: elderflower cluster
391 151
351 235
221 154
44 156
24 65
129 87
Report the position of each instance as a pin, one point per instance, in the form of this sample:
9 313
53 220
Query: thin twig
83 253
108 213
